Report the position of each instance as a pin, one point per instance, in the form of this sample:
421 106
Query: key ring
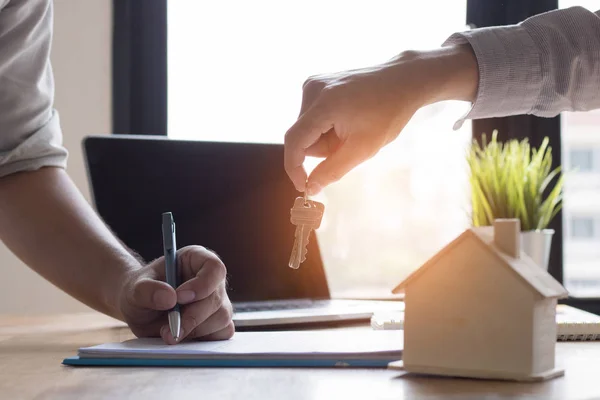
305 193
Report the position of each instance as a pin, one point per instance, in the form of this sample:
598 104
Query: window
235 72
582 227
581 159
224 56
580 137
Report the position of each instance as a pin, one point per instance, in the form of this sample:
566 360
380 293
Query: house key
306 215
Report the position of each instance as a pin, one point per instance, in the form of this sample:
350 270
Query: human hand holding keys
306 215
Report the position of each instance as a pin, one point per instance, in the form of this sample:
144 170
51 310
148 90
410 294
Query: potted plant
514 180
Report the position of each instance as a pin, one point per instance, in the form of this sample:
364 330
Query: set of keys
306 215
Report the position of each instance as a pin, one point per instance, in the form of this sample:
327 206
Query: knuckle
229 331
189 251
212 254
290 139
220 268
287 138
223 316
216 300
330 101
409 55
229 312
217 269
313 83
327 91
137 291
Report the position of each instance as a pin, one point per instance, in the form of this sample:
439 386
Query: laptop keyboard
279 305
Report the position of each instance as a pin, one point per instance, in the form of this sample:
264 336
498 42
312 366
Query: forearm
48 224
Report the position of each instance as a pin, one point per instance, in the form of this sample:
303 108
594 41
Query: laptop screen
233 198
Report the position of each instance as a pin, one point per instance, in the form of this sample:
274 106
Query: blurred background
386 217
391 213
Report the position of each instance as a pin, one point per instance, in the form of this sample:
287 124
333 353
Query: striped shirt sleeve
546 64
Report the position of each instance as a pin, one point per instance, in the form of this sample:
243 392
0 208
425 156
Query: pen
170 249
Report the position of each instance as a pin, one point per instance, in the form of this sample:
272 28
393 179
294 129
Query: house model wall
482 308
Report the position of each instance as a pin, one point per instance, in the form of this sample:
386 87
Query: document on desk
318 348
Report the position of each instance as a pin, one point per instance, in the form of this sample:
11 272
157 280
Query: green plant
511 180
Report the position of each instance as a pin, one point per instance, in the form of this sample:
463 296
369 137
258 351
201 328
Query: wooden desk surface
32 349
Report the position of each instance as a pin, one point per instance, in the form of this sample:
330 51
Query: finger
349 155
223 334
166 336
208 273
149 329
152 294
217 322
195 314
305 132
325 146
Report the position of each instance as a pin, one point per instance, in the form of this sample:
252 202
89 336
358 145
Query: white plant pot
536 244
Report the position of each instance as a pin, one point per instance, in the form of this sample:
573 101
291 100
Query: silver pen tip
175 324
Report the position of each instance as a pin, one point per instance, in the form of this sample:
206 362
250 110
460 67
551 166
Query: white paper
343 342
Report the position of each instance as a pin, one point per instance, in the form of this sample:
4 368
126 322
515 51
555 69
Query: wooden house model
481 308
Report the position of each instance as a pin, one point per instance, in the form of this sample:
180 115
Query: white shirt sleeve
547 64
30 133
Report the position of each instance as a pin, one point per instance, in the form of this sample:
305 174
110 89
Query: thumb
154 295
348 155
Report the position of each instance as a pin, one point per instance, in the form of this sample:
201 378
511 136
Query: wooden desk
32 349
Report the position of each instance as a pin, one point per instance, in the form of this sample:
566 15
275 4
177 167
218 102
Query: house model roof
523 266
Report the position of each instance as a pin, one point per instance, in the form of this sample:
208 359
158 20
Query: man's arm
44 220
547 64
48 224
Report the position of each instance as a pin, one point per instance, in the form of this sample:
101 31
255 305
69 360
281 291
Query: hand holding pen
199 295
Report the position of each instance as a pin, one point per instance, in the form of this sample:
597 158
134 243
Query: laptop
233 198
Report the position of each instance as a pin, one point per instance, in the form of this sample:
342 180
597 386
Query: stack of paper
359 348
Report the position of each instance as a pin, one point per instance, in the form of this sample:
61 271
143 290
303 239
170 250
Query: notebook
576 325
318 348
573 324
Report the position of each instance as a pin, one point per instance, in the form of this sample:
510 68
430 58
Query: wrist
118 287
448 73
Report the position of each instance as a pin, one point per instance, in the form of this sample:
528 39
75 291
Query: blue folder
227 363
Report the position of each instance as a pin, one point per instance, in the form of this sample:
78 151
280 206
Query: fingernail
313 188
185 296
162 298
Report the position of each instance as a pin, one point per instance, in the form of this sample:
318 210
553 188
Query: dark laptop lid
233 198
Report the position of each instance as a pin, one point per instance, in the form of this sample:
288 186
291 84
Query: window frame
140 89
139 68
